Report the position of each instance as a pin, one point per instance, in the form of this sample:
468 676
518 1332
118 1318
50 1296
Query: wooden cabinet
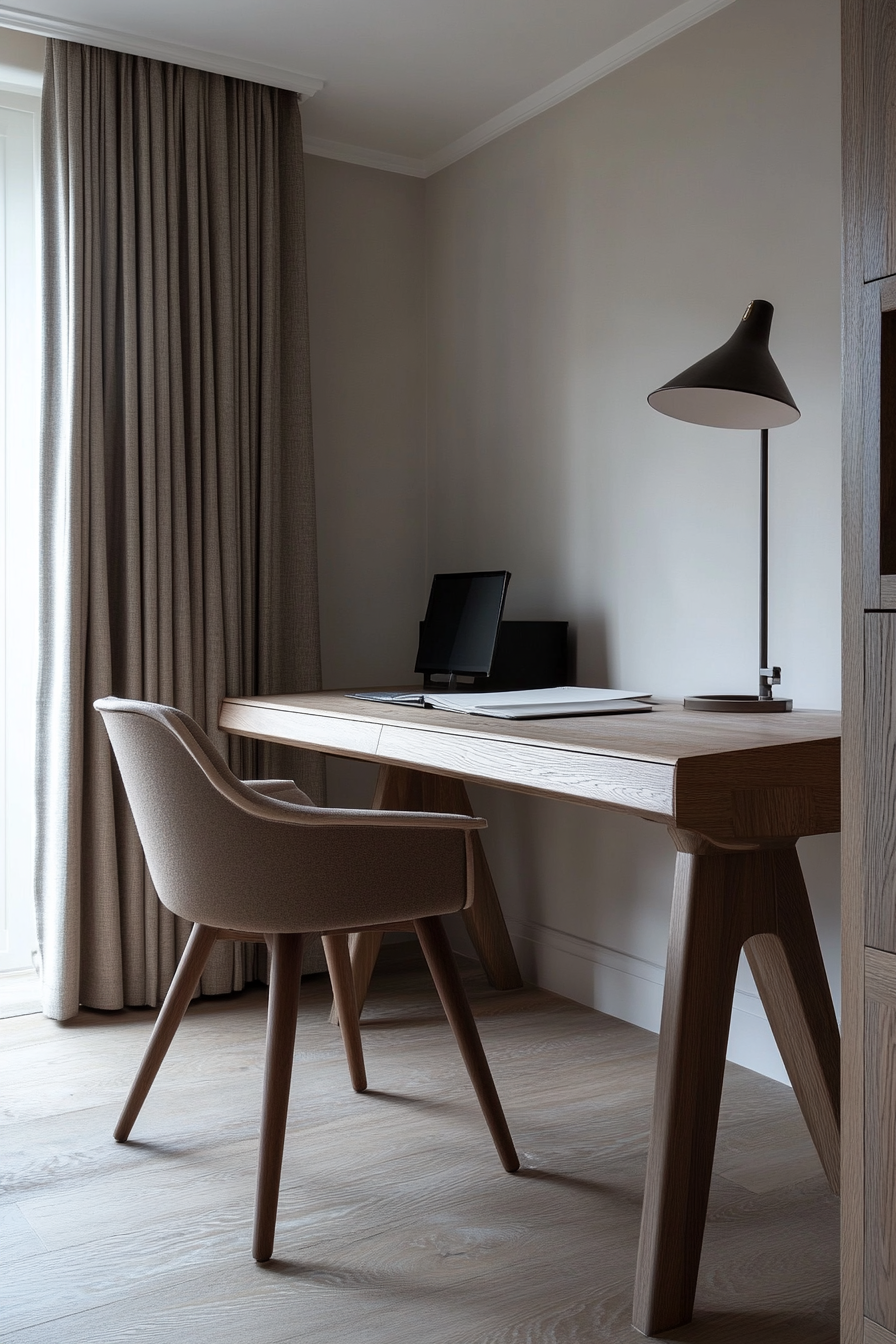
880 781
880 1157
878 1086
878 71
869 673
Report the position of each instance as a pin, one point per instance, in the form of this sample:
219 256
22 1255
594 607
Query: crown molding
629 49
45 25
365 158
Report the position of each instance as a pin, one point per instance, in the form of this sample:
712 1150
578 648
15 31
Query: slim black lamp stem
765 690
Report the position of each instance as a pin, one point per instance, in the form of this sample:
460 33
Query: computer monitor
460 628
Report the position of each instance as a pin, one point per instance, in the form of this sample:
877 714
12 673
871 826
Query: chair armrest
257 799
286 791
273 809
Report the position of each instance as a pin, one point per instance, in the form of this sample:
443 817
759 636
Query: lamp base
737 704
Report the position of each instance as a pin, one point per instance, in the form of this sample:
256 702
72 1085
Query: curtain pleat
177 508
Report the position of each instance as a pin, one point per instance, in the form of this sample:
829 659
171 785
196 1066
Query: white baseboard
632 989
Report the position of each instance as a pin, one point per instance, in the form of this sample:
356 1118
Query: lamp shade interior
737 386
723 408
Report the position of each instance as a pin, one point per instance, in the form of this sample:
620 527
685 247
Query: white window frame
19 430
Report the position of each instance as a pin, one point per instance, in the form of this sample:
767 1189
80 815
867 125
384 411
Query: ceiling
404 84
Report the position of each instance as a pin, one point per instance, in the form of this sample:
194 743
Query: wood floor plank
765 1156
17 1237
397 1224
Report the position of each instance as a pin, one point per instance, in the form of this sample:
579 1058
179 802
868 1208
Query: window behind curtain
19 409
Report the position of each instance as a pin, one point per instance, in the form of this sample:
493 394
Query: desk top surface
725 776
667 735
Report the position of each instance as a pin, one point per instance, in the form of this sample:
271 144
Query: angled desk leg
792 983
402 790
722 899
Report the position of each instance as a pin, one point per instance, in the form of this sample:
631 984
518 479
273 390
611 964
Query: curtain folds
177 507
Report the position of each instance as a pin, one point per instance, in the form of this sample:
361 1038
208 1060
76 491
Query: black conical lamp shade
738 386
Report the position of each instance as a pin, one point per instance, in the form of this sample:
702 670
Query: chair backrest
220 853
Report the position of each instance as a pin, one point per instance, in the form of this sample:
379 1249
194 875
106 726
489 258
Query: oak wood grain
774 791
880 1146
876 1334
666 766
880 782
339 965
616 782
286 983
396 1223
364 948
666 735
183 986
880 976
440 960
879 139
719 900
790 976
880 1163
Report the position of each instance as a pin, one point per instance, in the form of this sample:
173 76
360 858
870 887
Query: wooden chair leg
440 959
719 900
340 967
790 976
283 1005
183 986
364 948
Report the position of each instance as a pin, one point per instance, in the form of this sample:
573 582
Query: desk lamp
738 386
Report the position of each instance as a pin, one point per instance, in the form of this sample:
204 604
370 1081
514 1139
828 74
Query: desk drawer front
632 786
349 737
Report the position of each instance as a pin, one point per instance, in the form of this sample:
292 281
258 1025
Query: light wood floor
397 1224
19 993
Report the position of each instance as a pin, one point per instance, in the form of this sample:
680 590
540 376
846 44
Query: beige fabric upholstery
285 789
264 859
224 853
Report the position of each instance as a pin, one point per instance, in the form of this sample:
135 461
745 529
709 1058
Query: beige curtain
177 512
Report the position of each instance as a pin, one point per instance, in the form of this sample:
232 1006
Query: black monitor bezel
464 574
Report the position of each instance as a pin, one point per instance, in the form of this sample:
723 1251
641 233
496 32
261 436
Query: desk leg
722 899
401 790
790 976
705 938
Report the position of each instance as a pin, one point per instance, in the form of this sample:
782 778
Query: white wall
21 61
366 295
572 266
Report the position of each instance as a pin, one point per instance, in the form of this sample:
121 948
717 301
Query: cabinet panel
880 780
879 148
880 1148
876 1334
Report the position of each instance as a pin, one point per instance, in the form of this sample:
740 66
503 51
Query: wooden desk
736 792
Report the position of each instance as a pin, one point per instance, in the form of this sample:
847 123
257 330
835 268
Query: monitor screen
461 624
